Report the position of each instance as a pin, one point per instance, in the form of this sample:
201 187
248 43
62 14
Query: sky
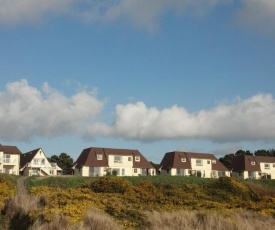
152 75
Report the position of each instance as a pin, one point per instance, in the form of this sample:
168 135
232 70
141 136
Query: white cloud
20 11
140 13
250 119
27 112
259 14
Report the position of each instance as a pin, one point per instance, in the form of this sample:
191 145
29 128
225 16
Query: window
213 161
252 162
273 165
7 158
266 166
35 161
199 163
183 159
135 170
117 159
35 172
99 157
180 172
137 158
42 161
6 170
123 172
129 158
208 162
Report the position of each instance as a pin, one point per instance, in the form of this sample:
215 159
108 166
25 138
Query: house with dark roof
9 159
95 161
253 167
35 163
192 164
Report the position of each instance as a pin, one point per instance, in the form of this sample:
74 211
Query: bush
111 185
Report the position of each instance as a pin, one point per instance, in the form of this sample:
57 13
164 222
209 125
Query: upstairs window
117 159
99 157
214 162
199 163
129 158
36 161
266 166
137 158
208 162
252 162
183 159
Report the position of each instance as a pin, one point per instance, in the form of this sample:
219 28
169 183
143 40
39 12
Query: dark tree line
226 160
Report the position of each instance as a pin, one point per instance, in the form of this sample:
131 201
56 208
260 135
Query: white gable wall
40 165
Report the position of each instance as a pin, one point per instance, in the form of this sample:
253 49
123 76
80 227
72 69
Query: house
107 161
35 163
253 167
9 159
192 164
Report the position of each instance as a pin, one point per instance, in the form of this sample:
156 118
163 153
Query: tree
226 160
64 161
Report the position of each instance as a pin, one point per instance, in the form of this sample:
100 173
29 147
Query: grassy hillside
147 203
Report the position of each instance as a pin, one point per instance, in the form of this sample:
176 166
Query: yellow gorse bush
7 189
126 203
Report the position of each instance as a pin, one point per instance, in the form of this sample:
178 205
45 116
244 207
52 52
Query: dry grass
190 220
16 211
94 220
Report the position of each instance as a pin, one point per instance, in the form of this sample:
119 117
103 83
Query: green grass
9 177
57 182
263 182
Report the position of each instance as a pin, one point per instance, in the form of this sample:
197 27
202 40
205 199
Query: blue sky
154 75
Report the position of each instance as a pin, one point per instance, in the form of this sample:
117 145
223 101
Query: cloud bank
246 120
27 112
138 13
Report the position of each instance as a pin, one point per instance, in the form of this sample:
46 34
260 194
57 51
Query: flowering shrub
111 185
7 189
126 203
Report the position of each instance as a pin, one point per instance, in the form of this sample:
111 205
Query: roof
9 149
244 163
88 157
27 157
173 160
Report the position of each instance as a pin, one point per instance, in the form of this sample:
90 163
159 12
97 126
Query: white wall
10 164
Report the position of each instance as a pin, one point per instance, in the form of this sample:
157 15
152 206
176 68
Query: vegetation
162 202
8 186
129 204
64 161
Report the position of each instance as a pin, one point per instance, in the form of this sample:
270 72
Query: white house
108 161
9 159
35 163
253 167
192 164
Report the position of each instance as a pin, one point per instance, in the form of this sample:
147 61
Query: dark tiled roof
9 149
27 157
88 157
173 160
244 163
